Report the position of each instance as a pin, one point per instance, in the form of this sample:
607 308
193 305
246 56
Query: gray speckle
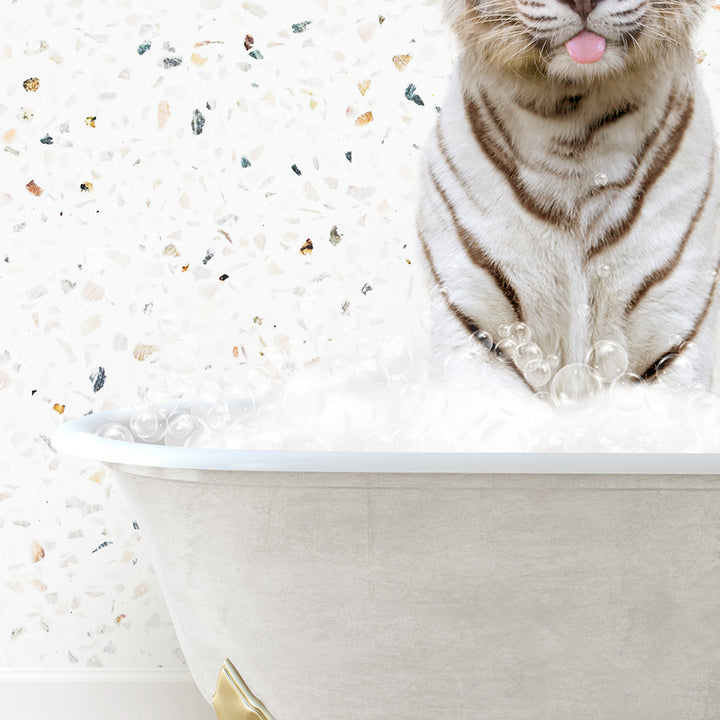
98 379
335 236
171 62
198 122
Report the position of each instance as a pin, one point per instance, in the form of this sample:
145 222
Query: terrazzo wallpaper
194 197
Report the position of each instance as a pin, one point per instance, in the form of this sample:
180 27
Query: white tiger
571 190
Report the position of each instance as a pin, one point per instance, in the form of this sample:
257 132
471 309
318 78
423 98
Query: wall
162 174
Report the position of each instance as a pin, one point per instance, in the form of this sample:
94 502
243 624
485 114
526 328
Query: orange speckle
163 113
365 118
307 247
140 590
10 135
401 61
142 352
37 552
236 351
93 292
98 477
90 120
34 188
120 618
198 59
185 268
31 84
58 408
364 86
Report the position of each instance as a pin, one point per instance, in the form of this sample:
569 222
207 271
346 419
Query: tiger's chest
584 226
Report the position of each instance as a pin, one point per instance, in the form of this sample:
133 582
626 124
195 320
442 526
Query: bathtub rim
77 437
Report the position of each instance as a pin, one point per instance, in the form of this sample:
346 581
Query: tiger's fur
580 199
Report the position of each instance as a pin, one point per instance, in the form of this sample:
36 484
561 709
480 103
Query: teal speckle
301 26
144 47
412 96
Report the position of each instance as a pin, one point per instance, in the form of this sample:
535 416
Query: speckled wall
191 201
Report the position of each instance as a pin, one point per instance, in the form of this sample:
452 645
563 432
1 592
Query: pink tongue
587 47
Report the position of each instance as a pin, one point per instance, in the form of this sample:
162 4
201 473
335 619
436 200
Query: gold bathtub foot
233 700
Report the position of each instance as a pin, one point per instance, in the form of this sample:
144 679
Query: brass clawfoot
233 700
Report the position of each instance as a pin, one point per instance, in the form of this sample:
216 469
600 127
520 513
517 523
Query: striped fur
580 199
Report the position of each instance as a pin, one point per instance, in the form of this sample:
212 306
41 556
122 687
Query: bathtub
361 586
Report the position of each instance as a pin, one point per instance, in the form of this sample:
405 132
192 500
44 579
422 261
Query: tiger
569 195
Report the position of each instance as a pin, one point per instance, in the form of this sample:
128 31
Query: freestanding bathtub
369 586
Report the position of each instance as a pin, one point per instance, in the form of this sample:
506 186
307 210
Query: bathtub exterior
478 596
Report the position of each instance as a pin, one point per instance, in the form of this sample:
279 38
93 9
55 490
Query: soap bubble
503 331
583 310
114 431
412 395
267 441
603 270
379 442
483 338
527 353
394 357
553 361
237 436
268 414
146 425
407 440
179 425
208 391
576 388
625 391
370 378
303 401
202 438
609 359
612 437
703 409
219 417
581 440
520 333
601 179
537 373
439 295
508 349
675 372
333 425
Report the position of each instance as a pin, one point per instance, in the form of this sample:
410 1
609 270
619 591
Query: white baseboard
95 693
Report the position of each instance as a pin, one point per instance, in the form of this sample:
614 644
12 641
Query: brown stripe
647 144
661 273
508 167
562 108
568 147
662 159
478 256
470 325
650 375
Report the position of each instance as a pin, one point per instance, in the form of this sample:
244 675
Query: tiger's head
574 40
